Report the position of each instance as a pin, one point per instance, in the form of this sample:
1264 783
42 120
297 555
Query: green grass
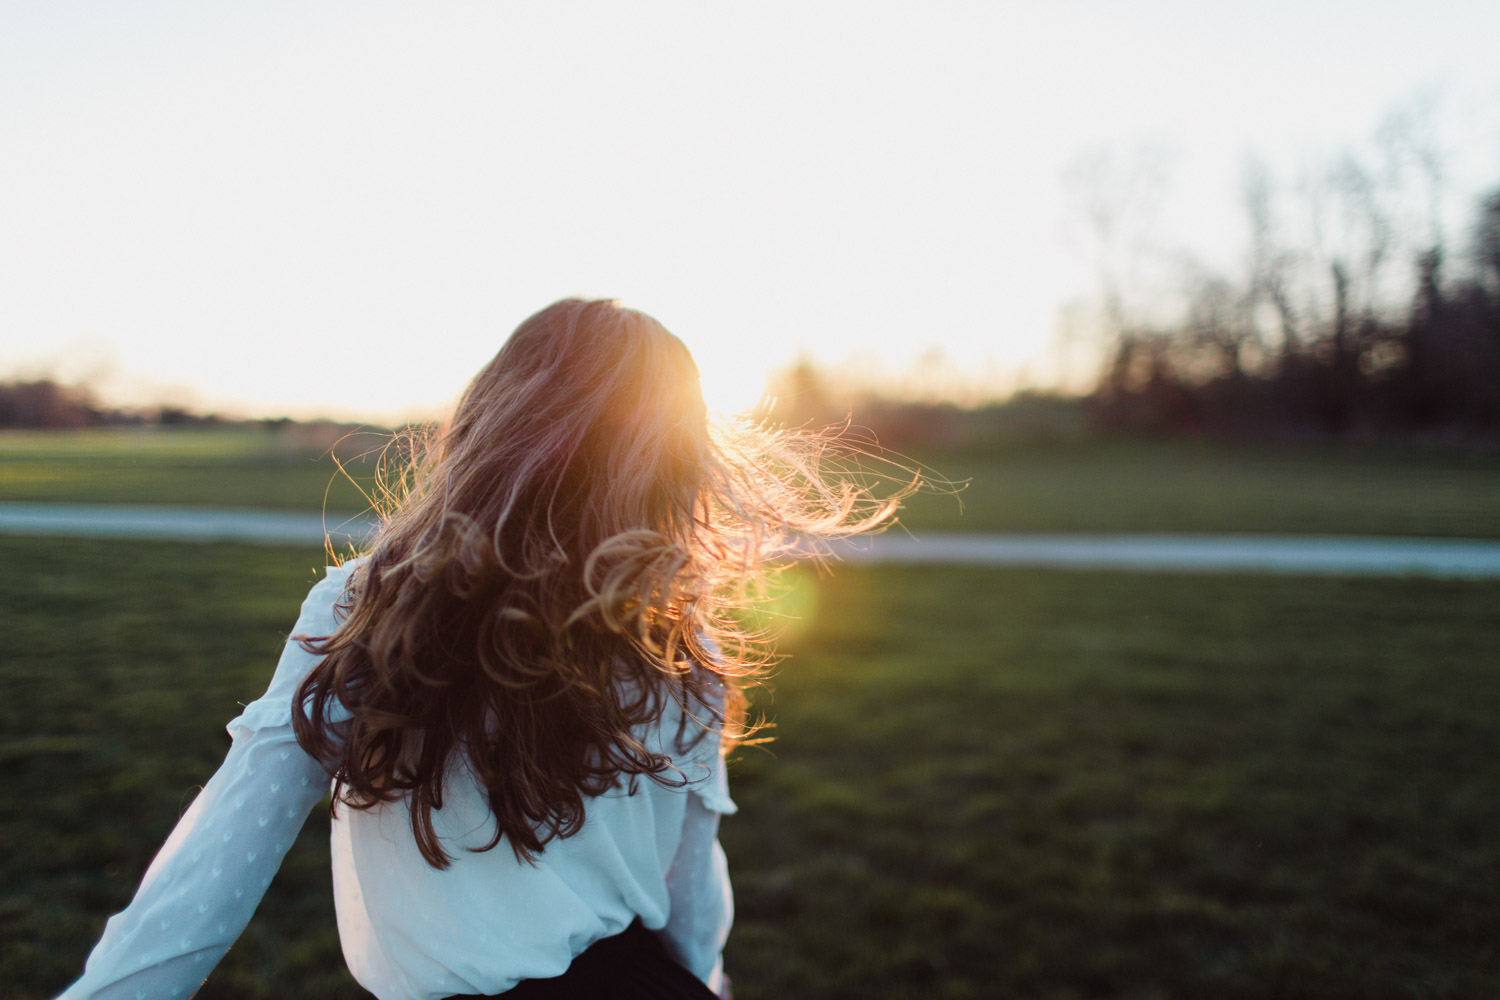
1071 486
1002 783
1170 486
123 663
225 468
985 783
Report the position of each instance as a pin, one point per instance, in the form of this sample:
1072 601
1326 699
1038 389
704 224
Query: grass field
1156 486
227 468
986 783
1079 486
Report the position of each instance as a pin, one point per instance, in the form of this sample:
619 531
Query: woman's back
521 692
646 851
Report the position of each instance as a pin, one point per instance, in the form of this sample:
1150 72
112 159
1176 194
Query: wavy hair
576 545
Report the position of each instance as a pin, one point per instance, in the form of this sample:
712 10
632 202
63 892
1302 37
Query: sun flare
731 384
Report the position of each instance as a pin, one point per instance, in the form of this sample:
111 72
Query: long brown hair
575 546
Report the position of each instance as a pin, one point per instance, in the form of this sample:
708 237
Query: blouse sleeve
702 902
205 882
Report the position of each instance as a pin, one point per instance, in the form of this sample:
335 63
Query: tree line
46 404
1355 310
1354 313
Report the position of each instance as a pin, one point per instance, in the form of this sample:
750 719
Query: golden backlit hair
575 546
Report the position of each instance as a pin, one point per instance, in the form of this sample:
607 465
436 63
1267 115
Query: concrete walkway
192 524
1441 557
1192 553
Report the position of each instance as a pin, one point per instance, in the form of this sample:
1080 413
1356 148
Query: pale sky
344 208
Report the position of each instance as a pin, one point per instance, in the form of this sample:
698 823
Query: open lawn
220 468
1195 486
1072 486
985 783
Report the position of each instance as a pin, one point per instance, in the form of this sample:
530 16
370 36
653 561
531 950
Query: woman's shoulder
321 600
337 575
318 619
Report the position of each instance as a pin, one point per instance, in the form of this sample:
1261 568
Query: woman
522 693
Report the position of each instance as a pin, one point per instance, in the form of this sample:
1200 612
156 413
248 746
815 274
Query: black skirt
632 965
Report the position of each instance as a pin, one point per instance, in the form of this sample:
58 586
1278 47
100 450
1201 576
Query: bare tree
1118 197
1408 138
1487 243
1270 260
1352 236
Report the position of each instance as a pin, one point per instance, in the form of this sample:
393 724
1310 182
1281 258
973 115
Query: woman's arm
698 889
204 884
701 899
702 902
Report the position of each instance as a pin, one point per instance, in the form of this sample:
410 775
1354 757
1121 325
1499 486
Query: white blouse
410 931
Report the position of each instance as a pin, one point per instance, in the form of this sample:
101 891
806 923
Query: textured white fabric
410 931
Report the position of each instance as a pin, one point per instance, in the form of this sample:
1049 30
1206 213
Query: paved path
194 524
1191 553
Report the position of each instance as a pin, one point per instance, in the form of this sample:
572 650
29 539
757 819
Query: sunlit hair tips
575 546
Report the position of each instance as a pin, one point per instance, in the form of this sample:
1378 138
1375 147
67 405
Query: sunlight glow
730 387
285 209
